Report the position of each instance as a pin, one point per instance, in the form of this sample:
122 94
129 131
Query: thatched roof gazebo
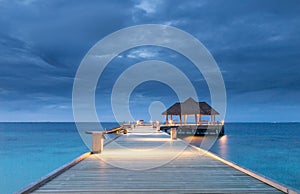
190 108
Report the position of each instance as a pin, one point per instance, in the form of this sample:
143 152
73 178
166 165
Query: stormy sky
255 43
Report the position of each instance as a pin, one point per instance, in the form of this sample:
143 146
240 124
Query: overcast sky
255 43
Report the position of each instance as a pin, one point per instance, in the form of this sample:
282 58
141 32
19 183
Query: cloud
144 53
42 43
148 6
141 54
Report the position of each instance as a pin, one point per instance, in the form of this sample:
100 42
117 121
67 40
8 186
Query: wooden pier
145 160
196 130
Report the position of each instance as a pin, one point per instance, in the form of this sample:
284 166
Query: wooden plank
260 177
190 171
53 174
35 185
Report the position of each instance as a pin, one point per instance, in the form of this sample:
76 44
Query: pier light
140 122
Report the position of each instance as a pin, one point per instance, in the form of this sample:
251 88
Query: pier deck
148 161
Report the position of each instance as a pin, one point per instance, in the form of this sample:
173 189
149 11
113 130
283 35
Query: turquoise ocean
29 151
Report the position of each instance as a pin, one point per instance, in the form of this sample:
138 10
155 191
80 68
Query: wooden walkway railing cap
97 140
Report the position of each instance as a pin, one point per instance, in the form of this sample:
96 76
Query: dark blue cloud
254 42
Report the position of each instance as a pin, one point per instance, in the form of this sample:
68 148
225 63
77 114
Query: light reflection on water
29 151
271 149
223 143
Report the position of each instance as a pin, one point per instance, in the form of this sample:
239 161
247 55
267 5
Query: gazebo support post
187 108
180 117
200 119
167 119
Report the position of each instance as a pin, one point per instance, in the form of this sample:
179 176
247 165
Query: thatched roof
190 106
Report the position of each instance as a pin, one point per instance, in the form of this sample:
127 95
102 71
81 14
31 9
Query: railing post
157 126
97 141
173 133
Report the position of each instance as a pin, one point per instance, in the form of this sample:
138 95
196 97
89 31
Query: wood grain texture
145 160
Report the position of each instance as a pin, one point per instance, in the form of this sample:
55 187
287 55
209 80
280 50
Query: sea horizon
249 145
226 71
145 122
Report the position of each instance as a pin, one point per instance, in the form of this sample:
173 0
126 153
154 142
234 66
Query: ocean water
29 151
270 149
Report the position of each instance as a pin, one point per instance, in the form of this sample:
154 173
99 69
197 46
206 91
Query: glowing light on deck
146 139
